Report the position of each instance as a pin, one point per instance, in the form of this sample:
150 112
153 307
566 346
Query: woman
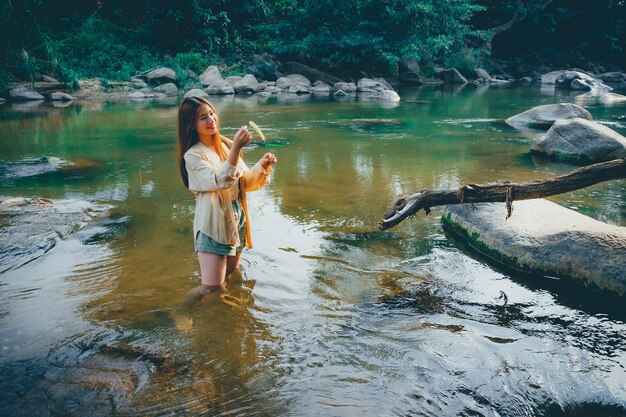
211 166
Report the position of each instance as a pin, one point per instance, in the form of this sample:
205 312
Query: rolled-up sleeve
203 177
257 177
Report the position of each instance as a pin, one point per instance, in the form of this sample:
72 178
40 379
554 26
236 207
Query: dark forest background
115 39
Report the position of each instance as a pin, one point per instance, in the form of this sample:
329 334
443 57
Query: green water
329 316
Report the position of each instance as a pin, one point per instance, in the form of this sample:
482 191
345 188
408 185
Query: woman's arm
258 176
204 177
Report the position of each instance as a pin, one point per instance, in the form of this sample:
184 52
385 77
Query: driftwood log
504 192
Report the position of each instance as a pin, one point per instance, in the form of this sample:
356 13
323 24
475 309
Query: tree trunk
517 17
504 192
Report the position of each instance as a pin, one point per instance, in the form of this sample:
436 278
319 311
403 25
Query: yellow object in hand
257 130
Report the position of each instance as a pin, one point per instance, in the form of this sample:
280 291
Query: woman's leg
232 262
212 269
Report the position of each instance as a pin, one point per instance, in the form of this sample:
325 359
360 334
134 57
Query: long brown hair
188 136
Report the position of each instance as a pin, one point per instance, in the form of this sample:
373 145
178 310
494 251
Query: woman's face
206 121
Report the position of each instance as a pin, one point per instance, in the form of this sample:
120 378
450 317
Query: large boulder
482 74
581 140
167 88
161 75
545 116
612 77
545 238
452 76
196 92
308 72
23 94
408 72
321 87
60 96
247 85
210 76
345 87
574 80
292 79
220 88
368 85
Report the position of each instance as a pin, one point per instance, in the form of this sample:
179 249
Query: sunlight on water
328 316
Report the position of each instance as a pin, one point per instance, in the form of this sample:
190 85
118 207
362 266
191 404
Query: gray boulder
161 75
321 87
452 76
307 72
196 92
167 88
545 116
232 79
220 88
387 95
525 81
482 74
345 87
612 77
23 94
248 84
210 76
408 72
368 85
60 96
299 89
137 95
340 93
581 140
138 83
545 238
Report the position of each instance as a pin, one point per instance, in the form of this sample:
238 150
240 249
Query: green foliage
370 35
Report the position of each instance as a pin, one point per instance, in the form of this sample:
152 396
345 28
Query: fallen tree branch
504 192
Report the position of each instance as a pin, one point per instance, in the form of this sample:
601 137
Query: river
328 316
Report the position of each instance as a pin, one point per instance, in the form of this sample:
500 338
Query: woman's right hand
241 138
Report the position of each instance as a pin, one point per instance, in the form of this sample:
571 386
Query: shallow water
329 316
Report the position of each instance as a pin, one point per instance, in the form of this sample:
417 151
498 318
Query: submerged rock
543 237
581 140
545 116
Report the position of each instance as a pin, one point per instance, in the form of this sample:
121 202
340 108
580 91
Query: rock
384 83
210 76
60 96
346 87
161 75
265 67
482 74
23 94
220 88
408 72
196 92
321 87
452 76
298 79
387 95
574 80
612 77
232 79
168 89
138 83
545 116
137 95
546 238
265 94
581 140
525 81
247 84
340 93
299 89
296 68
368 85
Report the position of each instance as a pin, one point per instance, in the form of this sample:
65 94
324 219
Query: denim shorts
206 244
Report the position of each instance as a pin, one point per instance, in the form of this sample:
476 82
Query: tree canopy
115 38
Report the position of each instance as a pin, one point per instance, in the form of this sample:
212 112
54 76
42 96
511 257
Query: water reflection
329 316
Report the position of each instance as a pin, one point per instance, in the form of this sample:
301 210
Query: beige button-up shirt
210 179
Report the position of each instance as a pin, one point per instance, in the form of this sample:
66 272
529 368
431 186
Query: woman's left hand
267 160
